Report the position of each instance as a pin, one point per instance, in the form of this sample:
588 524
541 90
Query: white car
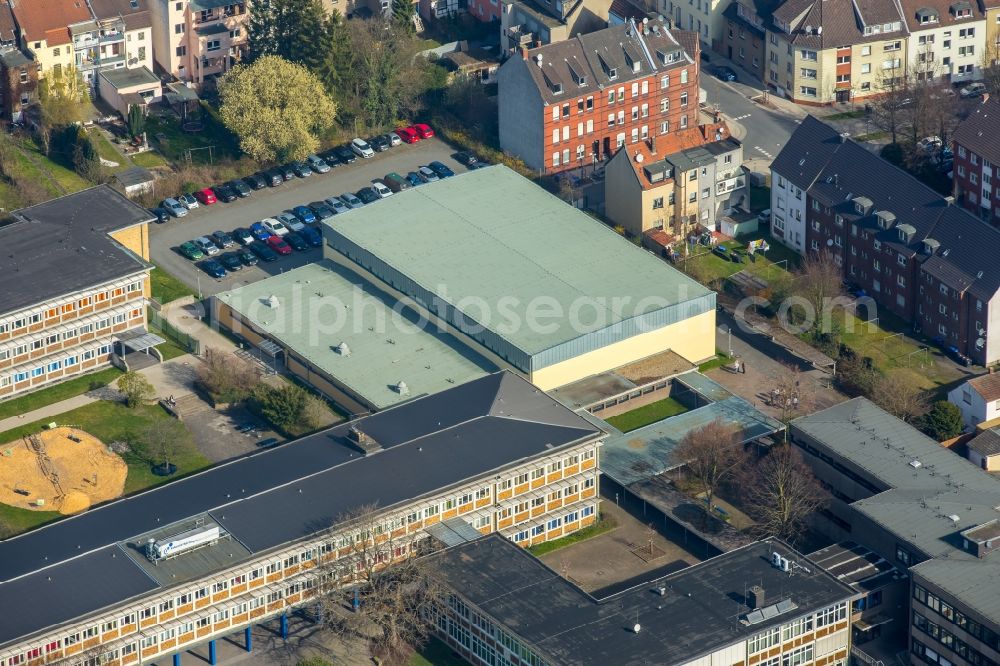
973 90
381 189
188 201
929 143
351 201
361 148
291 222
336 205
394 139
208 248
275 227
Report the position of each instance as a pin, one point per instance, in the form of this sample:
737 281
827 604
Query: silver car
188 201
336 205
317 164
207 247
174 207
351 200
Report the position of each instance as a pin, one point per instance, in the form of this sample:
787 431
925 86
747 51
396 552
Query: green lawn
436 653
149 159
172 141
707 267
872 136
600 527
167 288
14 520
169 349
720 359
111 421
67 389
107 151
68 179
651 413
846 115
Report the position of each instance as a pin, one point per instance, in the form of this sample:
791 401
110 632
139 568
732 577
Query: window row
29 319
18 348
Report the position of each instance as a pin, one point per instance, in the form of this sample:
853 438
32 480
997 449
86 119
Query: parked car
278 245
213 268
929 144
174 207
379 143
408 135
161 214
205 244
205 196
274 227
317 164
480 164
973 90
247 257
291 221
395 182
260 231
188 201
268 443
336 205
189 250
764 217
304 214
724 73
345 154
393 139
414 179
368 195
442 170
381 189
331 158
427 174
287 171
274 177
243 236
351 201
296 241
312 236
423 130
466 158
222 239
958 357
302 169
242 189
231 262
224 193
263 251
362 149
258 181
321 210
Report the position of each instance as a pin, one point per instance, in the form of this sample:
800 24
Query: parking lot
268 202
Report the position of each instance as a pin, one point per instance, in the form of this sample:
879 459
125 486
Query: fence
175 335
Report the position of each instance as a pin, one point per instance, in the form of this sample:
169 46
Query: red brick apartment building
977 161
575 103
917 255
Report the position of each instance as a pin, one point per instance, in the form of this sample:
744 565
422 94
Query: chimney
524 53
756 600
652 144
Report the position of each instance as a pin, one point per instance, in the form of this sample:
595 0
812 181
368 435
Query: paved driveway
164 238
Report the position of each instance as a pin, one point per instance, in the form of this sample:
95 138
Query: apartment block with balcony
533 23
118 36
976 170
195 40
77 286
43 32
822 52
575 103
913 251
947 40
926 511
492 455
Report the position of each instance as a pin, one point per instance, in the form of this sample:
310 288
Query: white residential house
947 39
788 212
978 398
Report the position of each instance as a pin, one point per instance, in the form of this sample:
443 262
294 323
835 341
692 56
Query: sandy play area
68 469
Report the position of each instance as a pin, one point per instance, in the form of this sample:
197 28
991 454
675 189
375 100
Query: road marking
764 152
745 115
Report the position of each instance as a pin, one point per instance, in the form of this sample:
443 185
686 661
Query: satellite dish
637 628
980 343
829 242
638 157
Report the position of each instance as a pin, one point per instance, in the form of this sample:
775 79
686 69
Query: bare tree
787 395
900 397
711 455
781 493
379 589
161 443
227 377
888 111
991 67
818 280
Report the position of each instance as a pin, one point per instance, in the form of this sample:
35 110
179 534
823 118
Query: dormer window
961 9
636 66
613 73
557 89
926 15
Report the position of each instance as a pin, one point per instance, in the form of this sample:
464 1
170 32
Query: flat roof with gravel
356 334
488 250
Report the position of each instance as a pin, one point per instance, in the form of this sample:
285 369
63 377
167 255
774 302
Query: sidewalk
777 102
188 316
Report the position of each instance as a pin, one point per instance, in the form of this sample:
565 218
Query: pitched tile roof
986 443
669 146
987 386
48 19
806 152
608 57
136 16
8 29
979 132
941 8
825 24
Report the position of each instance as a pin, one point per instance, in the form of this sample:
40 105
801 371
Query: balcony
112 37
518 37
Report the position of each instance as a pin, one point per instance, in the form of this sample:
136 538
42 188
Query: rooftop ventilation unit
401 388
363 441
272 301
342 349
915 464
184 542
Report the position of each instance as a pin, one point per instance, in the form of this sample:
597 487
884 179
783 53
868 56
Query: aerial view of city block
499 332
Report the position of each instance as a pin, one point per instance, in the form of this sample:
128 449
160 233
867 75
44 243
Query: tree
402 15
161 443
787 395
304 30
991 66
711 455
381 590
336 69
61 102
263 38
899 396
781 493
943 421
276 108
283 406
135 388
818 281
136 120
888 111
227 377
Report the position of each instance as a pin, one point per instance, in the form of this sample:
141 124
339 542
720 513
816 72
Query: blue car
213 268
259 231
414 179
312 236
304 214
441 170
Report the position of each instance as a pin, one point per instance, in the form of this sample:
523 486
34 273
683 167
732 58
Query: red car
424 131
408 134
205 197
278 245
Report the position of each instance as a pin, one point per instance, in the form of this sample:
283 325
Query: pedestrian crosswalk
745 115
764 152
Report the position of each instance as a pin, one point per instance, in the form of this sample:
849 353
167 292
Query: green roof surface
492 239
321 305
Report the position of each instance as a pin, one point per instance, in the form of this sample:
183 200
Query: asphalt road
164 238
